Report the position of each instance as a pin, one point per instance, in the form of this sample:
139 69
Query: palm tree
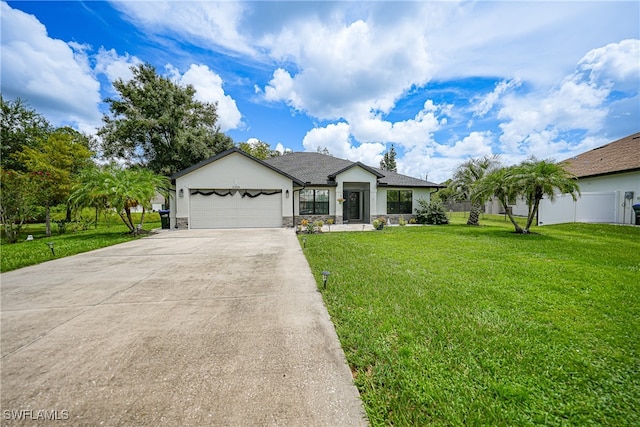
535 179
119 189
499 184
91 191
464 181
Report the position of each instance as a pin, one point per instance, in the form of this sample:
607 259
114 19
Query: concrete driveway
216 327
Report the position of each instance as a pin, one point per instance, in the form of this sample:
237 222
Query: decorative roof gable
371 170
227 153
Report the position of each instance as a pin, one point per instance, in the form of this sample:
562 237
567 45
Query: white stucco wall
602 200
229 172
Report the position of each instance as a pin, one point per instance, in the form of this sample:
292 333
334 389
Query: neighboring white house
236 190
609 179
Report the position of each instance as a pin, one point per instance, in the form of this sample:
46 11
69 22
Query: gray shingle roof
316 169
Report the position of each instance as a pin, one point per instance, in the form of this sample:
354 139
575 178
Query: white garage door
236 209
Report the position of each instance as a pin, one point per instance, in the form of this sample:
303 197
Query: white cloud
334 137
205 24
367 138
474 145
578 103
346 66
54 77
337 139
280 88
208 86
615 64
115 66
533 40
351 62
487 102
408 133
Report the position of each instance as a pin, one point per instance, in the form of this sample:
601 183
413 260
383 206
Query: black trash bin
164 218
636 209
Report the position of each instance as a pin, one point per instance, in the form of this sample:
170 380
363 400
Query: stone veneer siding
182 223
314 218
287 222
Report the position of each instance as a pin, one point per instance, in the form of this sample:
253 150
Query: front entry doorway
353 206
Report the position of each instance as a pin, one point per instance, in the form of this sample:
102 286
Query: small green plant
413 221
402 222
302 227
330 223
318 225
85 223
62 226
379 223
432 213
311 227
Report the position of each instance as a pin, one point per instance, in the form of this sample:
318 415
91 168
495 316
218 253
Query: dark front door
353 212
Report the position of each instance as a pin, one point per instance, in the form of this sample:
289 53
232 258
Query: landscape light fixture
325 276
304 243
50 244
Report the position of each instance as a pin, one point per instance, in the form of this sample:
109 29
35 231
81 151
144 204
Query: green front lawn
25 253
458 325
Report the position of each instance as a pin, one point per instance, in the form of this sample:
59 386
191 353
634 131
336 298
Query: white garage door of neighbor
235 211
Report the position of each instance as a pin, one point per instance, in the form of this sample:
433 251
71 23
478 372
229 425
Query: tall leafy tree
258 149
535 179
465 179
159 124
18 201
388 162
21 127
121 189
56 163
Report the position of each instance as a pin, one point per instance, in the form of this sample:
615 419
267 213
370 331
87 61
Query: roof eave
595 175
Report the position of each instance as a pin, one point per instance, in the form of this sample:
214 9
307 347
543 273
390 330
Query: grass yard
458 325
25 253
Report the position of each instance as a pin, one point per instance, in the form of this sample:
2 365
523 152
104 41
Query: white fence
590 207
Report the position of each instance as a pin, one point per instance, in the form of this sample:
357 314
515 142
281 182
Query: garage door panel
235 211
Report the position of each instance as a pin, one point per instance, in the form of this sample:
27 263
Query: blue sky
441 81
